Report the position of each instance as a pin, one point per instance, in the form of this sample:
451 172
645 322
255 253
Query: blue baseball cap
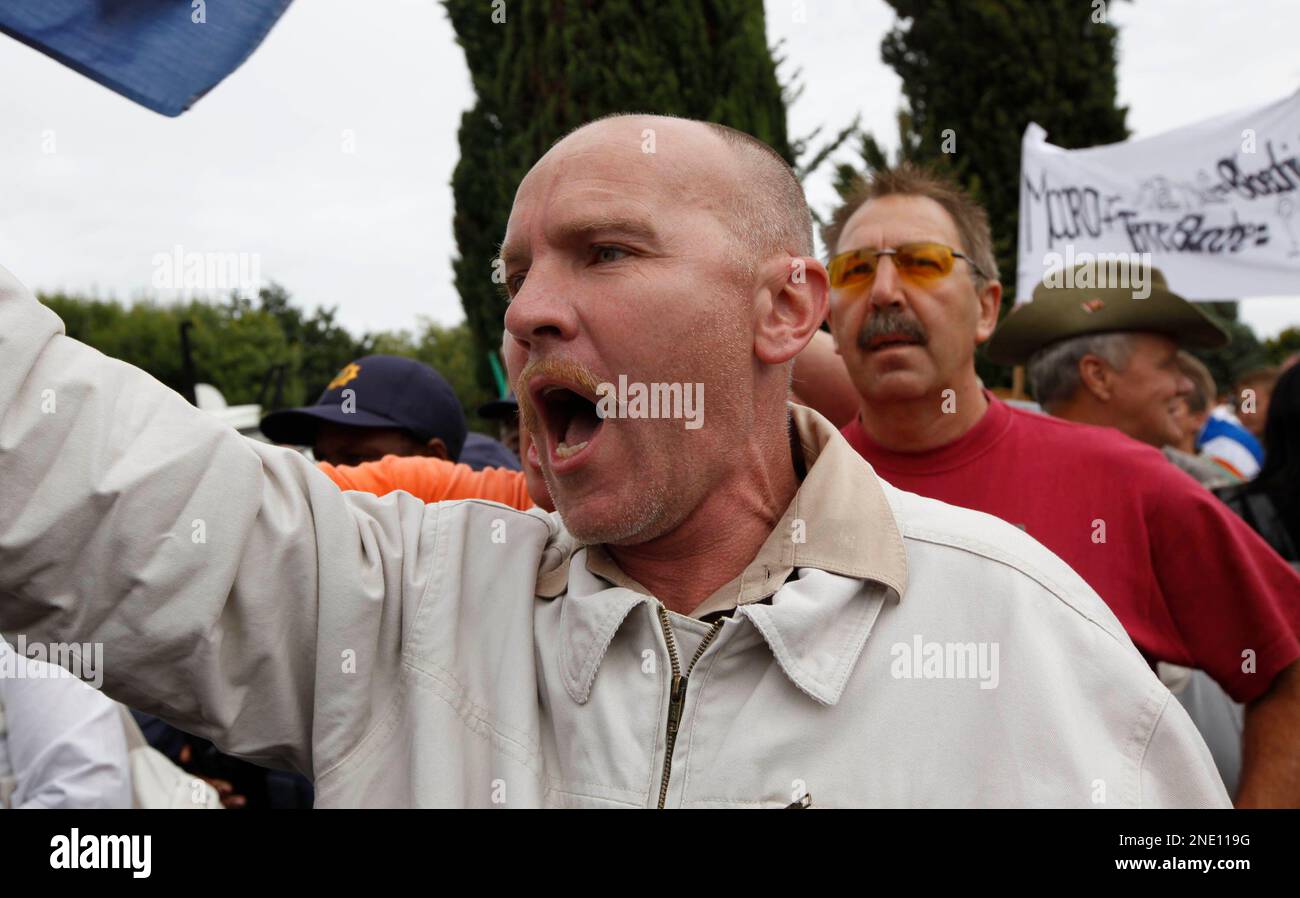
378 391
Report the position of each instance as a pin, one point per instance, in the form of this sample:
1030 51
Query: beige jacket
887 650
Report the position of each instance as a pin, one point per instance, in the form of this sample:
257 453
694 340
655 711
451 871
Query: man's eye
608 253
515 283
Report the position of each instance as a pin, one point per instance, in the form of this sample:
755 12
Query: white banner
1216 205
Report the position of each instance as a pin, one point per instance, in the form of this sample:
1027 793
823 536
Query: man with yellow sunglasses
914 290
902 355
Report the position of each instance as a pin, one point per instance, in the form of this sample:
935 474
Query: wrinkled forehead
669 177
896 219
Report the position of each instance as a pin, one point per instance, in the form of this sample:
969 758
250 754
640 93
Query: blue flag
163 54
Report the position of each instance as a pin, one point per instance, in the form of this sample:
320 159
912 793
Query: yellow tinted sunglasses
920 263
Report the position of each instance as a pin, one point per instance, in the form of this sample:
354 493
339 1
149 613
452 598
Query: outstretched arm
228 581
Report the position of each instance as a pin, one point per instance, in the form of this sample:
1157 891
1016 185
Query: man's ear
436 448
990 300
791 305
1095 376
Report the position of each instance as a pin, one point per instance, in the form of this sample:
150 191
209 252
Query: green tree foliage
1284 345
983 70
1243 353
234 344
331 346
549 67
975 73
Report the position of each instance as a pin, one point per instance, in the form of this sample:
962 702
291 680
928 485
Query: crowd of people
866 580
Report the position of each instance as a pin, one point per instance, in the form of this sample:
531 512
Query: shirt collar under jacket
837 532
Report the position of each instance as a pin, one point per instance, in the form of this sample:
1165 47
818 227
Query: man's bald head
765 204
657 252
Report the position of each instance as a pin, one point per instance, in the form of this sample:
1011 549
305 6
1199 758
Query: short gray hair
908 179
1054 369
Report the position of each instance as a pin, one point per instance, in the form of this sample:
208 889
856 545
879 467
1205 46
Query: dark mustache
891 323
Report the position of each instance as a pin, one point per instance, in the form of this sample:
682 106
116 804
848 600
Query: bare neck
1081 409
720 537
929 421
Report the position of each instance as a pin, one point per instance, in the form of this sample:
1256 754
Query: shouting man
737 613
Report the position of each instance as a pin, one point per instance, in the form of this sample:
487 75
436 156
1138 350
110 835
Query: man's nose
541 311
1185 385
887 286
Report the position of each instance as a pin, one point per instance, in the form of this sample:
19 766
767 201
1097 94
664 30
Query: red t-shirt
1191 583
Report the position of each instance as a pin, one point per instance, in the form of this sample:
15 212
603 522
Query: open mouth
570 421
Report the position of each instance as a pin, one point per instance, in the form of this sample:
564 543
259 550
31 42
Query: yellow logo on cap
349 373
1092 305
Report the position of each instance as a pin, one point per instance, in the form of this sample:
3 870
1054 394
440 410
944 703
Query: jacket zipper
677 695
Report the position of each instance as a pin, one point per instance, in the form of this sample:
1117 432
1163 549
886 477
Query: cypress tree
541 68
975 73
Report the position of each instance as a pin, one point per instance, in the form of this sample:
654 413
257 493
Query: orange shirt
432 479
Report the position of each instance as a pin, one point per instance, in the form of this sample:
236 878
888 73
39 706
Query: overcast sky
259 165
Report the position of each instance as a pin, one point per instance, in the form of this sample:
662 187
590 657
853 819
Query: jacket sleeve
236 591
1177 770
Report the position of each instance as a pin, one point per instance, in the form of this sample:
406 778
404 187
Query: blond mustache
566 370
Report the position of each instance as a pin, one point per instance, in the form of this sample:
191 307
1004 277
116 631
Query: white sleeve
65 740
236 591
1177 769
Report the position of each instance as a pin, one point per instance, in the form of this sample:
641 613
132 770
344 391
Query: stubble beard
639 518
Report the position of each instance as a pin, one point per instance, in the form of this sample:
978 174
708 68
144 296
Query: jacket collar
816 627
838 531
590 614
